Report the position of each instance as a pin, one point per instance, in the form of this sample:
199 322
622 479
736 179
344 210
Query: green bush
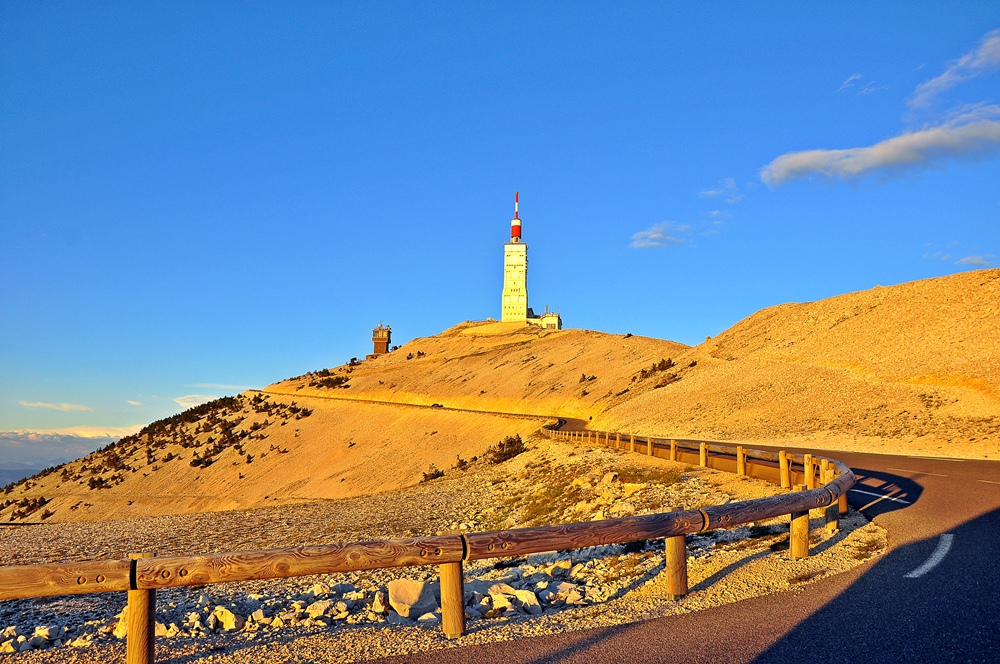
506 449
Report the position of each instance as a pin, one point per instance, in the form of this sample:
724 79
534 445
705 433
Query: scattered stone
411 598
121 627
317 609
528 602
379 603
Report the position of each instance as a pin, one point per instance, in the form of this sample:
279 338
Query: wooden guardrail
818 482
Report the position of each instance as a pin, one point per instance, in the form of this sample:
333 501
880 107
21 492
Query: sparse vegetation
506 449
433 473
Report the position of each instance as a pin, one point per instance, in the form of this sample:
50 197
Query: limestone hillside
255 450
913 368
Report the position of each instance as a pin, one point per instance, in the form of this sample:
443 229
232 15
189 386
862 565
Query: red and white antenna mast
515 223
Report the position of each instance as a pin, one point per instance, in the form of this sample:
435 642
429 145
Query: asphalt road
934 597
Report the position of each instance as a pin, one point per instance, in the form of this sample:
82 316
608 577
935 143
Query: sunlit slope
255 450
502 367
918 363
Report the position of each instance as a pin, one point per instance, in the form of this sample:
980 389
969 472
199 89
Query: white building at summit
514 305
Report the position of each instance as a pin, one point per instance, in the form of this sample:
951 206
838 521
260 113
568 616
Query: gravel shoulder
343 618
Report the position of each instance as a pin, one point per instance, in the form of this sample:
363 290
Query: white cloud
969 135
727 191
663 234
978 261
192 400
983 59
850 82
132 403
55 406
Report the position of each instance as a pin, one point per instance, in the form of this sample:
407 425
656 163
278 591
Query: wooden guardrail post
452 600
741 460
673 450
675 565
798 532
649 445
141 625
809 471
784 471
703 455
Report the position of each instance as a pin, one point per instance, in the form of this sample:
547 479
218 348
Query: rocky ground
350 617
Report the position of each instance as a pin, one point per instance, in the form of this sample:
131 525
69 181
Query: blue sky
197 198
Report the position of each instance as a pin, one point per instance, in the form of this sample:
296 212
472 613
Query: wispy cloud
192 400
978 261
132 403
55 406
984 58
727 191
221 386
969 135
851 81
663 234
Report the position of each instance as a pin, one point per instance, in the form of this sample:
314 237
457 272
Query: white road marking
881 496
943 547
918 472
989 481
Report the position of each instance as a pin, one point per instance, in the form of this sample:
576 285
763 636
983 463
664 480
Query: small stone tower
381 339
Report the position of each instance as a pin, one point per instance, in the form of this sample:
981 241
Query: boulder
527 602
49 633
428 619
159 629
501 589
317 609
559 568
411 598
8 646
395 619
629 488
500 603
11 632
121 627
258 616
319 589
609 478
379 604
228 620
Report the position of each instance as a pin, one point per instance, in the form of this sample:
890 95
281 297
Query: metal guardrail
818 482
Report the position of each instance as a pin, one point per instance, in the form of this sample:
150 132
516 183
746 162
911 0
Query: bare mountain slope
916 364
913 368
498 367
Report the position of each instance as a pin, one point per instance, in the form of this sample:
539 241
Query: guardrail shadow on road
904 608
878 492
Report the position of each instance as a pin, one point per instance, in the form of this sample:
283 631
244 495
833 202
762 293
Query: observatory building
514 306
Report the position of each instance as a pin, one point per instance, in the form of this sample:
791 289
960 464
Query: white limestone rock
411 598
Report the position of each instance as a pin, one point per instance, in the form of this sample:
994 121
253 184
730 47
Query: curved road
934 596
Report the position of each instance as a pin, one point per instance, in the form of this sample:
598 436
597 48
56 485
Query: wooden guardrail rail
818 482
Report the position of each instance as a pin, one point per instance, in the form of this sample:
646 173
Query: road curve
881 611
877 612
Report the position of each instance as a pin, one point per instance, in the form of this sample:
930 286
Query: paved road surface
899 608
